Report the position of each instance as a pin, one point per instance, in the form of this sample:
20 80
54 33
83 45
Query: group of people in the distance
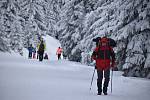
39 53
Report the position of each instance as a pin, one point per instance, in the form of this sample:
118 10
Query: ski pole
111 79
92 79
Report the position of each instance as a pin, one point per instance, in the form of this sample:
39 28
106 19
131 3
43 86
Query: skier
30 49
41 50
58 53
105 59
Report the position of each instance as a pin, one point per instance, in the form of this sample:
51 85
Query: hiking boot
105 93
105 90
99 93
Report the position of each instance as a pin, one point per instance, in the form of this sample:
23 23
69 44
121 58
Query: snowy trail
22 79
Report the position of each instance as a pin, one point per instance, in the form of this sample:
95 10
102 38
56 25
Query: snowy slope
51 47
23 79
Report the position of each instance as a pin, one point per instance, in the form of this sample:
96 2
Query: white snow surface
29 79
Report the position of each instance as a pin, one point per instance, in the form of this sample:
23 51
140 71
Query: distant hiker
46 56
30 48
34 53
58 53
105 59
41 50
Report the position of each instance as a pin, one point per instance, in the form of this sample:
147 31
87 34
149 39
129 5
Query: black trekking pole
111 79
92 79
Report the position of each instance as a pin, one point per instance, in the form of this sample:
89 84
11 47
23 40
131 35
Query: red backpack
104 52
111 42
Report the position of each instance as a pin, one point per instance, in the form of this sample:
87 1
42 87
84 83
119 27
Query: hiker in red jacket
58 53
105 59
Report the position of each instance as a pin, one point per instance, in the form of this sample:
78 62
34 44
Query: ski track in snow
29 79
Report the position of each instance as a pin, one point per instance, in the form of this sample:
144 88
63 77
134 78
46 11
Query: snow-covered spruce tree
70 28
96 24
22 22
11 29
32 12
133 32
3 33
52 11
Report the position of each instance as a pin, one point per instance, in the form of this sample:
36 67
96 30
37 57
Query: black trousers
30 55
59 56
37 55
100 74
41 56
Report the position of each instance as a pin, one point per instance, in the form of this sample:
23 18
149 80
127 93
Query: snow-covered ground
29 79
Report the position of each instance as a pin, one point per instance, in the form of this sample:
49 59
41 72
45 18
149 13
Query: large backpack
106 52
111 42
